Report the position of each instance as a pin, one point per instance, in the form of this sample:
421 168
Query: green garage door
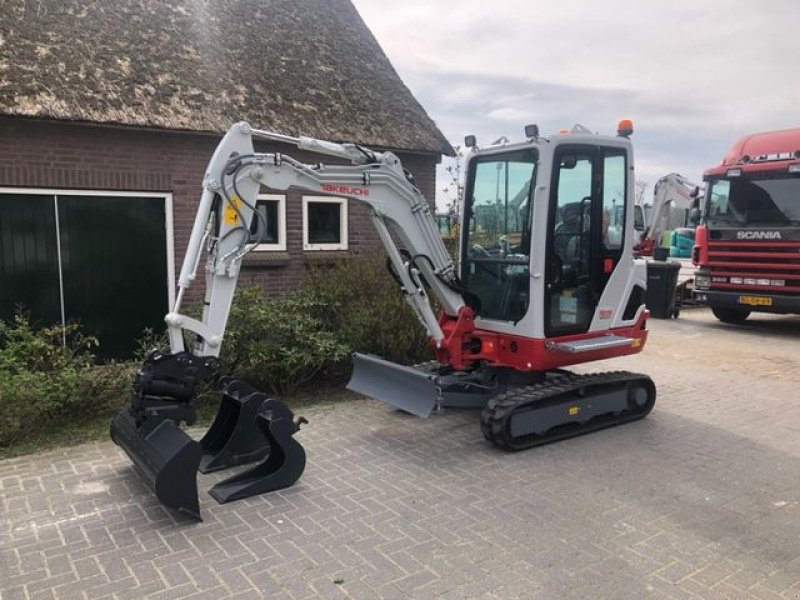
98 260
29 257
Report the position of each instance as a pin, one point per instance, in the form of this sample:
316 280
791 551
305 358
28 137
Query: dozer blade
403 387
234 437
284 464
167 459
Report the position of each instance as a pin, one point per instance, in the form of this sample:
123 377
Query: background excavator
545 280
673 198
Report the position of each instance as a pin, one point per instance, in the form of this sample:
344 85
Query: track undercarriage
519 410
565 405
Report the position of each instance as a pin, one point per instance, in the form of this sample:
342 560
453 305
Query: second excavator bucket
406 388
234 437
284 464
166 457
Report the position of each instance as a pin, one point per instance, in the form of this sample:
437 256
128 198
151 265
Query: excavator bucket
284 464
406 388
248 427
166 457
234 437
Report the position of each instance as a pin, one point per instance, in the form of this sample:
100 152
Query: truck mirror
694 216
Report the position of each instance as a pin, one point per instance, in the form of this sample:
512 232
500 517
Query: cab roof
766 151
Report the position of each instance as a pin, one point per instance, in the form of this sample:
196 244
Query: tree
454 189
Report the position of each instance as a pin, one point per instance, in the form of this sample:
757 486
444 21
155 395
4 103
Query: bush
369 311
43 381
22 348
281 345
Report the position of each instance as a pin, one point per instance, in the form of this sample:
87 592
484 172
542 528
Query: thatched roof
307 67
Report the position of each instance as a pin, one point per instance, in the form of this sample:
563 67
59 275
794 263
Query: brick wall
76 156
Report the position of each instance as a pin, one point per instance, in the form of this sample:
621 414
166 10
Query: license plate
755 300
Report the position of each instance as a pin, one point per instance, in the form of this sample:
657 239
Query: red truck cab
747 248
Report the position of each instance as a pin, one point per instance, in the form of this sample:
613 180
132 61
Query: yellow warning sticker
232 212
574 410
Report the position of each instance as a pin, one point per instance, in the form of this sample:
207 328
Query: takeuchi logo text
344 190
758 235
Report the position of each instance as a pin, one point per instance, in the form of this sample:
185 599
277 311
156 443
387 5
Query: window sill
326 256
266 258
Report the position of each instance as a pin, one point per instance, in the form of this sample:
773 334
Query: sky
693 75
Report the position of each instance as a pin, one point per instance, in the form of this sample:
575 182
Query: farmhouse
110 110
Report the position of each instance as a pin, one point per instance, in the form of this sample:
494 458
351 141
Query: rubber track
496 416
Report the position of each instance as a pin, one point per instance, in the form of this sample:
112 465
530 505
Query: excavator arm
670 188
249 426
235 173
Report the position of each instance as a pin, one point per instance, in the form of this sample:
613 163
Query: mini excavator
543 282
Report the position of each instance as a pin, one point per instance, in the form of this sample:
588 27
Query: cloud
508 113
488 115
693 76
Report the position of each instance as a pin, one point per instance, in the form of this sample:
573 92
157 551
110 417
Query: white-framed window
268 227
324 223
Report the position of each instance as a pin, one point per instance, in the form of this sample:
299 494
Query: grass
70 434
96 429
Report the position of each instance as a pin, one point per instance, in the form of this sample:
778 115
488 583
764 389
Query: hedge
283 346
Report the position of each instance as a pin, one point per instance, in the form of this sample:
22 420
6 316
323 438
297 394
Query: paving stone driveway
699 500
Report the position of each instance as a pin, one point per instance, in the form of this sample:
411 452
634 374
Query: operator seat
566 237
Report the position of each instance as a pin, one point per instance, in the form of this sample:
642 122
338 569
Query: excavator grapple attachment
285 461
406 388
166 457
234 438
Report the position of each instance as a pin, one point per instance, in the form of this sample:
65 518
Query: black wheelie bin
662 280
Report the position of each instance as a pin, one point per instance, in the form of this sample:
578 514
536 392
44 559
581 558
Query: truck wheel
730 315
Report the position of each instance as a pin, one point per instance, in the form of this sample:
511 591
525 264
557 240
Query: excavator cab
550 279
539 250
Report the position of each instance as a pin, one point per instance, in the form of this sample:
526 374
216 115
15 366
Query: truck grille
759 266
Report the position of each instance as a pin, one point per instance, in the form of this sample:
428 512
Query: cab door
496 242
585 233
